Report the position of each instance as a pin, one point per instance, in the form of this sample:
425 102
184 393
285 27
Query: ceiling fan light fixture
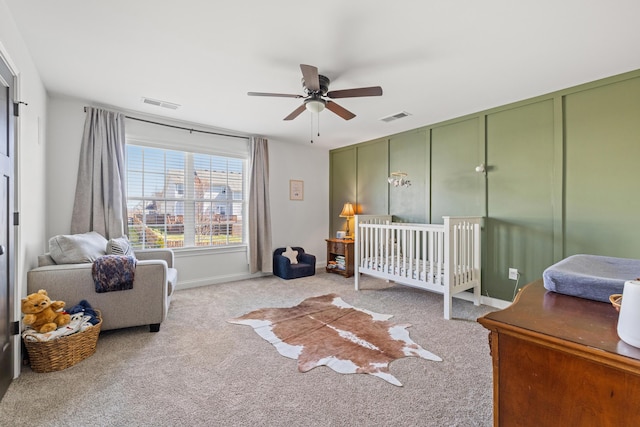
315 105
316 86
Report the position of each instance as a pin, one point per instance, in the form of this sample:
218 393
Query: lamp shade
347 211
315 105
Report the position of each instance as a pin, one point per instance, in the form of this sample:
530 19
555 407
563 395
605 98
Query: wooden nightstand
336 250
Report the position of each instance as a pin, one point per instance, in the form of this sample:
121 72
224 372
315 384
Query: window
181 199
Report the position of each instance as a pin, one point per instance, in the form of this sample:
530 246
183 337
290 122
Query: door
6 226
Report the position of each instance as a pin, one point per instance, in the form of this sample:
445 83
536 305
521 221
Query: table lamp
347 212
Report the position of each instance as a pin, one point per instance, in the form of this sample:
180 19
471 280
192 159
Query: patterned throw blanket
113 273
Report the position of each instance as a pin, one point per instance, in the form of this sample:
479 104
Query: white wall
302 223
294 223
65 127
30 165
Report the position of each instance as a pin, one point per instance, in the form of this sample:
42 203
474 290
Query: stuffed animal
41 314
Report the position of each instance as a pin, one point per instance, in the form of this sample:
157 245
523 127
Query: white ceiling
434 59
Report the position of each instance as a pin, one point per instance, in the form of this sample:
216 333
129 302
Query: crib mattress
401 267
591 276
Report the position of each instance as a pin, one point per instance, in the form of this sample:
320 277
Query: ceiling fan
316 88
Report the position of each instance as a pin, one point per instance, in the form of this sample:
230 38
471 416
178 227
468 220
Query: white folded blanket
79 323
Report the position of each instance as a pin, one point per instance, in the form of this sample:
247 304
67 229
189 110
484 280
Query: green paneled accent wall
342 185
456 188
372 196
603 170
409 152
562 178
520 181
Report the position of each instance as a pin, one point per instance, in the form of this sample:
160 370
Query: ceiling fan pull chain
311 128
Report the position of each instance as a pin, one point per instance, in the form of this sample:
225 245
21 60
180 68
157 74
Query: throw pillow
77 248
291 254
120 246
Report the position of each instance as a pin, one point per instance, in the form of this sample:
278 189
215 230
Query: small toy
42 314
85 308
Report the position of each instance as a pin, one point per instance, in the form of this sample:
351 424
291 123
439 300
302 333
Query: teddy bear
41 314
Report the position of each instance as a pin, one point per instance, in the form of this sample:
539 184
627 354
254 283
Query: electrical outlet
513 274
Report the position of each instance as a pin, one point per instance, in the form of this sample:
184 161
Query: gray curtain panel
101 197
260 258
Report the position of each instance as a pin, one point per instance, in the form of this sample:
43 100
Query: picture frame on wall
296 189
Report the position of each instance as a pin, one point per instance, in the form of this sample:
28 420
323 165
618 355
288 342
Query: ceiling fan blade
310 75
341 111
296 112
281 95
354 93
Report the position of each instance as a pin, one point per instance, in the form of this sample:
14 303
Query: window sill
196 251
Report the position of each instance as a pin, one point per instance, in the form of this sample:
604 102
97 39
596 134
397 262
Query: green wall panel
456 188
372 196
409 153
602 127
342 185
562 178
520 182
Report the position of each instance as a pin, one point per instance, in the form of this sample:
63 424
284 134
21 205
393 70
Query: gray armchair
146 303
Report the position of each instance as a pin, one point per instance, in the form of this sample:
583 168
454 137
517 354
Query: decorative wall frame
296 189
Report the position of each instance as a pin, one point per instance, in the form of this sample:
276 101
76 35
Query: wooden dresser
340 248
558 361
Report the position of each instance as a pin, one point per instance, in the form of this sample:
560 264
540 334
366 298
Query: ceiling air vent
400 115
158 103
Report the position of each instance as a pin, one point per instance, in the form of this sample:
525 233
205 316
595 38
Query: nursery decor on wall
325 330
399 179
296 189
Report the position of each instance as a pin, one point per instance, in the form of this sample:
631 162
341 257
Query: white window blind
180 199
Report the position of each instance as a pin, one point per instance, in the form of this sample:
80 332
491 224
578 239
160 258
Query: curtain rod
183 128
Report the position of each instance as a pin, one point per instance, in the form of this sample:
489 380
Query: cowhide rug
325 330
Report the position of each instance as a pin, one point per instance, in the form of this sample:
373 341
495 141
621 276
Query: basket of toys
74 338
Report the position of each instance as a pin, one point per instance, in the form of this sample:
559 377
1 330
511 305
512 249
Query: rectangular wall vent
400 115
163 104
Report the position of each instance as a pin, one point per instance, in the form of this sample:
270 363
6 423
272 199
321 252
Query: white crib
443 258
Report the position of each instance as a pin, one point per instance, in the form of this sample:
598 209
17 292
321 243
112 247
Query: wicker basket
63 352
616 301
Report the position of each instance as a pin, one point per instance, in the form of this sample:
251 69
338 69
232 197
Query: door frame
17 274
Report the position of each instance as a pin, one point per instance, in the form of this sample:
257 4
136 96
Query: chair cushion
77 248
120 246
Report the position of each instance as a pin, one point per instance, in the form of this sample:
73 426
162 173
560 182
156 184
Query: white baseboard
467 296
218 279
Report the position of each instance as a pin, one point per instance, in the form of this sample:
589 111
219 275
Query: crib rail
403 249
463 247
443 258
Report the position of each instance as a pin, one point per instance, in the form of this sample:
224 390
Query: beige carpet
200 370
